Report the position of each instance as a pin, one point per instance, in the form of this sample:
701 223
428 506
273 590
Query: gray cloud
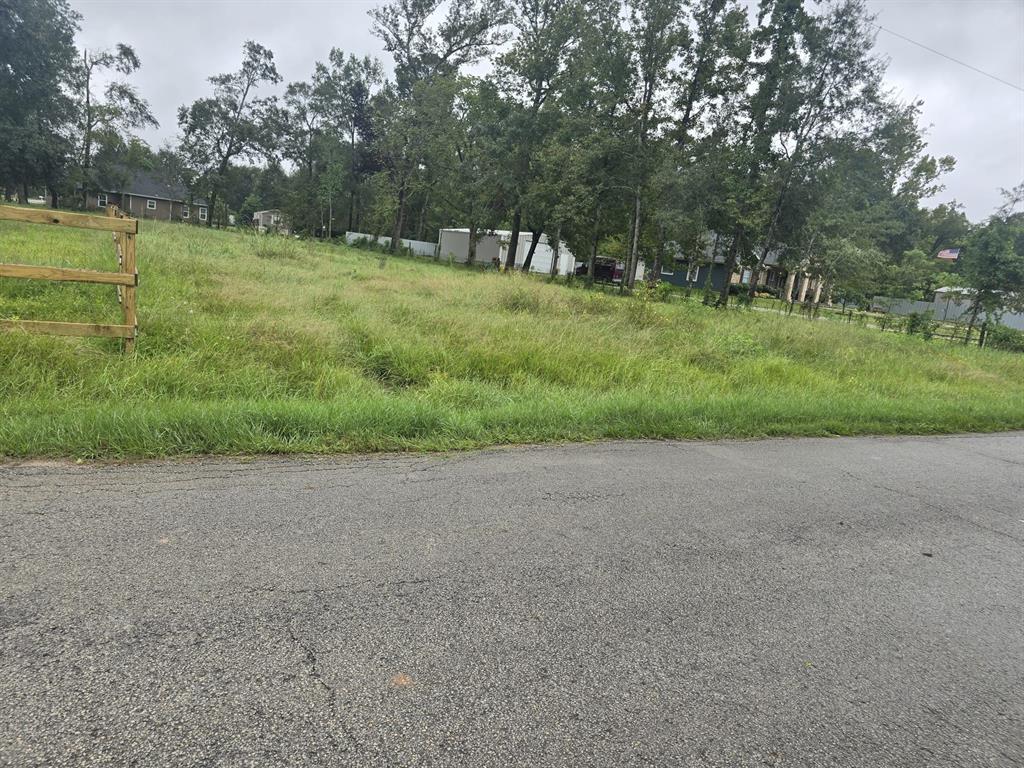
975 119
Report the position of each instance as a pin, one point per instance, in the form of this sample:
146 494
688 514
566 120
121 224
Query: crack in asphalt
312 663
931 505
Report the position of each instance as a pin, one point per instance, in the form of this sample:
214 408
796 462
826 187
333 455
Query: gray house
147 195
689 269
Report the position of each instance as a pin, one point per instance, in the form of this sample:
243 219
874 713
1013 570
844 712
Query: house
271 220
493 244
147 195
693 270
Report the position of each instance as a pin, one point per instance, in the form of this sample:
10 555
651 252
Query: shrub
917 322
1003 337
645 291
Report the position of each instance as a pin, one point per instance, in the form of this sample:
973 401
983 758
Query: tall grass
274 345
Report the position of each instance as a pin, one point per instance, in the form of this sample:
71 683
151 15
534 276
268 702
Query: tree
528 76
37 55
470 29
427 61
231 124
108 116
353 81
992 264
307 112
830 88
657 35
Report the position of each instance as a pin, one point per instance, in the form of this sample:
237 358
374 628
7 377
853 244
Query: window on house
151 205
667 272
184 211
101 200
692 273
202 214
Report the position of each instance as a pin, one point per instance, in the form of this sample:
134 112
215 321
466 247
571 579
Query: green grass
270 345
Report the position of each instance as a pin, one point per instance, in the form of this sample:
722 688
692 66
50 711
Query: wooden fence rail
125 230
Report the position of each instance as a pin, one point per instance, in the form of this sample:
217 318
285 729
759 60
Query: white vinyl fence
419 247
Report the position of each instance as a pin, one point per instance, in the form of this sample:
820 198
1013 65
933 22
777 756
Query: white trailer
453 244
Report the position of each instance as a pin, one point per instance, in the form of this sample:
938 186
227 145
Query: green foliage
37 59
233 123
919 323
993 262
1002 337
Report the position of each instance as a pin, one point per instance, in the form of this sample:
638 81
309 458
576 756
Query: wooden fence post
124 244
128 266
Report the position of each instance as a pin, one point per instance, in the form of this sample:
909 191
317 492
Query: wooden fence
125 230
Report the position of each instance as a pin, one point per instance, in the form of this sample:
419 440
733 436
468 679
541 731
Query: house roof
154 186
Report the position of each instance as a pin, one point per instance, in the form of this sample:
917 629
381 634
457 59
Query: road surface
834 602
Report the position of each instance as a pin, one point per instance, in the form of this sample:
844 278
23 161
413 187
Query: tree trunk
730 265
629 278
423 216
471 256
213 208
23 193
352 179
54 199
592 264
755 272
513 246
655 276
528 261
975 310
87 132
396 231
554 253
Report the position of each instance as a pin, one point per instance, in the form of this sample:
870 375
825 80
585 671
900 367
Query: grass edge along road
269 345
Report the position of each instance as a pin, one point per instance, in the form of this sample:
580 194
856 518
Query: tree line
642 130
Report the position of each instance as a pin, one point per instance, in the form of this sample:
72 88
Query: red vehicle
605 270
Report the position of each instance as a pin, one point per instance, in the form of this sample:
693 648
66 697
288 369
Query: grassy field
254 345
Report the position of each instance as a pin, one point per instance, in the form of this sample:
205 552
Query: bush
918 322
660 291
1003 337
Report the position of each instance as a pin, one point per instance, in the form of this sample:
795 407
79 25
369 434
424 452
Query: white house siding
454 244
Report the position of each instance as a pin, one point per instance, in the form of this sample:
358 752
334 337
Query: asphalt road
842 602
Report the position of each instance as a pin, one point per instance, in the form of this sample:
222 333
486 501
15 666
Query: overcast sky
972 117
